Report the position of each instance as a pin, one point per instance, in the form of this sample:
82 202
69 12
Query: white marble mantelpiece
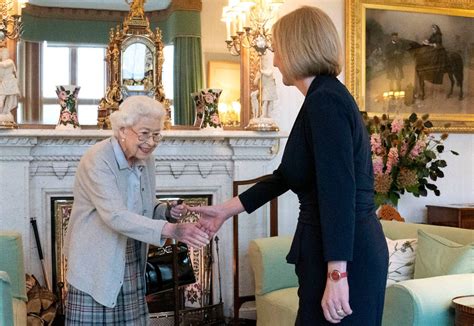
39 164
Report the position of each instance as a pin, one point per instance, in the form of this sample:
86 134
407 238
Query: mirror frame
136 29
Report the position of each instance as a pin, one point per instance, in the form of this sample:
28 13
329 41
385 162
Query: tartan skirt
131 309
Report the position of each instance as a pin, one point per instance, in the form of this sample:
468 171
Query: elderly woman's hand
188 233
178 209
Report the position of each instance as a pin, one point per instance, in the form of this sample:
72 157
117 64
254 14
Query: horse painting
431 64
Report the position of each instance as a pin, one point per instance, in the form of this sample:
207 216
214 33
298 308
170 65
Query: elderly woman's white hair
133 109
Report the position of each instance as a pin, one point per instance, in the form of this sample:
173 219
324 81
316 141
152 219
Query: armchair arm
268 260
425 301
6 304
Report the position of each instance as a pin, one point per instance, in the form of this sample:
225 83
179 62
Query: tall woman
113 220
339 249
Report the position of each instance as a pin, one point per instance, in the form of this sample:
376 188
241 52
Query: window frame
73 75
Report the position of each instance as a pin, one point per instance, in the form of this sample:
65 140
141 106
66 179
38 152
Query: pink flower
403 149
209 98
62 95
420 145
377 162
376 144
65 116
397 124
215 118
392 159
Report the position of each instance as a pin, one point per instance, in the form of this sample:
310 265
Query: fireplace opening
195 295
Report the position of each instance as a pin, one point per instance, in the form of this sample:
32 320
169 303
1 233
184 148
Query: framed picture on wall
225 75
413 56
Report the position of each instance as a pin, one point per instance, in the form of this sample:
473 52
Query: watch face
335 275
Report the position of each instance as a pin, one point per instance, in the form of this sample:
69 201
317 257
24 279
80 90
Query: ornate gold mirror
134 60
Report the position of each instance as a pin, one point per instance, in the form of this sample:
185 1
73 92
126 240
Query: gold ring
340 312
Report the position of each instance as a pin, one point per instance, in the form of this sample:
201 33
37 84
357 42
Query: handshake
200 233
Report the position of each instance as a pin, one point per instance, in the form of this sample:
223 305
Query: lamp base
262 124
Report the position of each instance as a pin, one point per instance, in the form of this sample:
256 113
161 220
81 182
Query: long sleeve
329 125
97 182
273 186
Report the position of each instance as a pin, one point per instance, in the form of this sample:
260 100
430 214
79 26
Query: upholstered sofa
423 301
12 280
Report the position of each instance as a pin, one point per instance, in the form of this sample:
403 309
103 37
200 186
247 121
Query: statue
137 8
265 76
262 99
9 90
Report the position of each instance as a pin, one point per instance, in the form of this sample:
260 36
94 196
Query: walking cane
40 253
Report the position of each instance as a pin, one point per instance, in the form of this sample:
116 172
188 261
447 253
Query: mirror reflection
137 68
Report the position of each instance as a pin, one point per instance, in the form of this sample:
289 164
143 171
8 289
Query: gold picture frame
196 295
459 115
225 75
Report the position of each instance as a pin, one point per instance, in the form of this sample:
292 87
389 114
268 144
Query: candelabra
10 25
248 24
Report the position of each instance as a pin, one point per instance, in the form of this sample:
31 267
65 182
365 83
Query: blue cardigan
100 223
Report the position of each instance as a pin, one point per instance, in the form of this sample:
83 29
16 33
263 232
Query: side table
455 215
464 310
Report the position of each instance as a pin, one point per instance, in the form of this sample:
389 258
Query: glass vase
67 96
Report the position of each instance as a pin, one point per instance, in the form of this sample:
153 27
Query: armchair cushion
438 256
401 263
271 271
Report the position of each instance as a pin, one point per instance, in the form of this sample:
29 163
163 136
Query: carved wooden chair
239 299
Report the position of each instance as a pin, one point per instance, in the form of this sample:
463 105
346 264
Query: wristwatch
335 275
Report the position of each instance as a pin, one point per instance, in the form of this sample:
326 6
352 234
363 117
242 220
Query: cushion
401 263
277 308
436 256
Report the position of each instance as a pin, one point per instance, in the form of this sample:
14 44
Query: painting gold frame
225 75
196 295
356 47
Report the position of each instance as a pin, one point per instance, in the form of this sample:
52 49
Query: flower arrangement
405 157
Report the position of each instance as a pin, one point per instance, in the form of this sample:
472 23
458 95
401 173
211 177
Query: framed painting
405 56
225 75
61 212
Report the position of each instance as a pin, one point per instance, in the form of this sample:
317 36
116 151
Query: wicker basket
208 315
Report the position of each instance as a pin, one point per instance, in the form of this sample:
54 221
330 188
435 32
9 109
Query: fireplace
37 166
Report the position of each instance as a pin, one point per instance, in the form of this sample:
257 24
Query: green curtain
188 77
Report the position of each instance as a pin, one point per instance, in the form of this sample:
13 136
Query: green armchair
12 280
420 302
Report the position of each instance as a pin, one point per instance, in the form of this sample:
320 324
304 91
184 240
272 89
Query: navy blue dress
327 163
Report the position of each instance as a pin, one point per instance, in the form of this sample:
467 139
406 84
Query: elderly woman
113 219
339 249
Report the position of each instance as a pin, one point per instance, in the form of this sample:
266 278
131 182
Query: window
75 65
67 65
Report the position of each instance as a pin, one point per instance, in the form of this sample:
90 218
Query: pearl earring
123 139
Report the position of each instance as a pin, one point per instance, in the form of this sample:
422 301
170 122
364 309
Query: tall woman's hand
188 233
211 218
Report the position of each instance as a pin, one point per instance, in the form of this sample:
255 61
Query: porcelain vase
67 95
207 112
